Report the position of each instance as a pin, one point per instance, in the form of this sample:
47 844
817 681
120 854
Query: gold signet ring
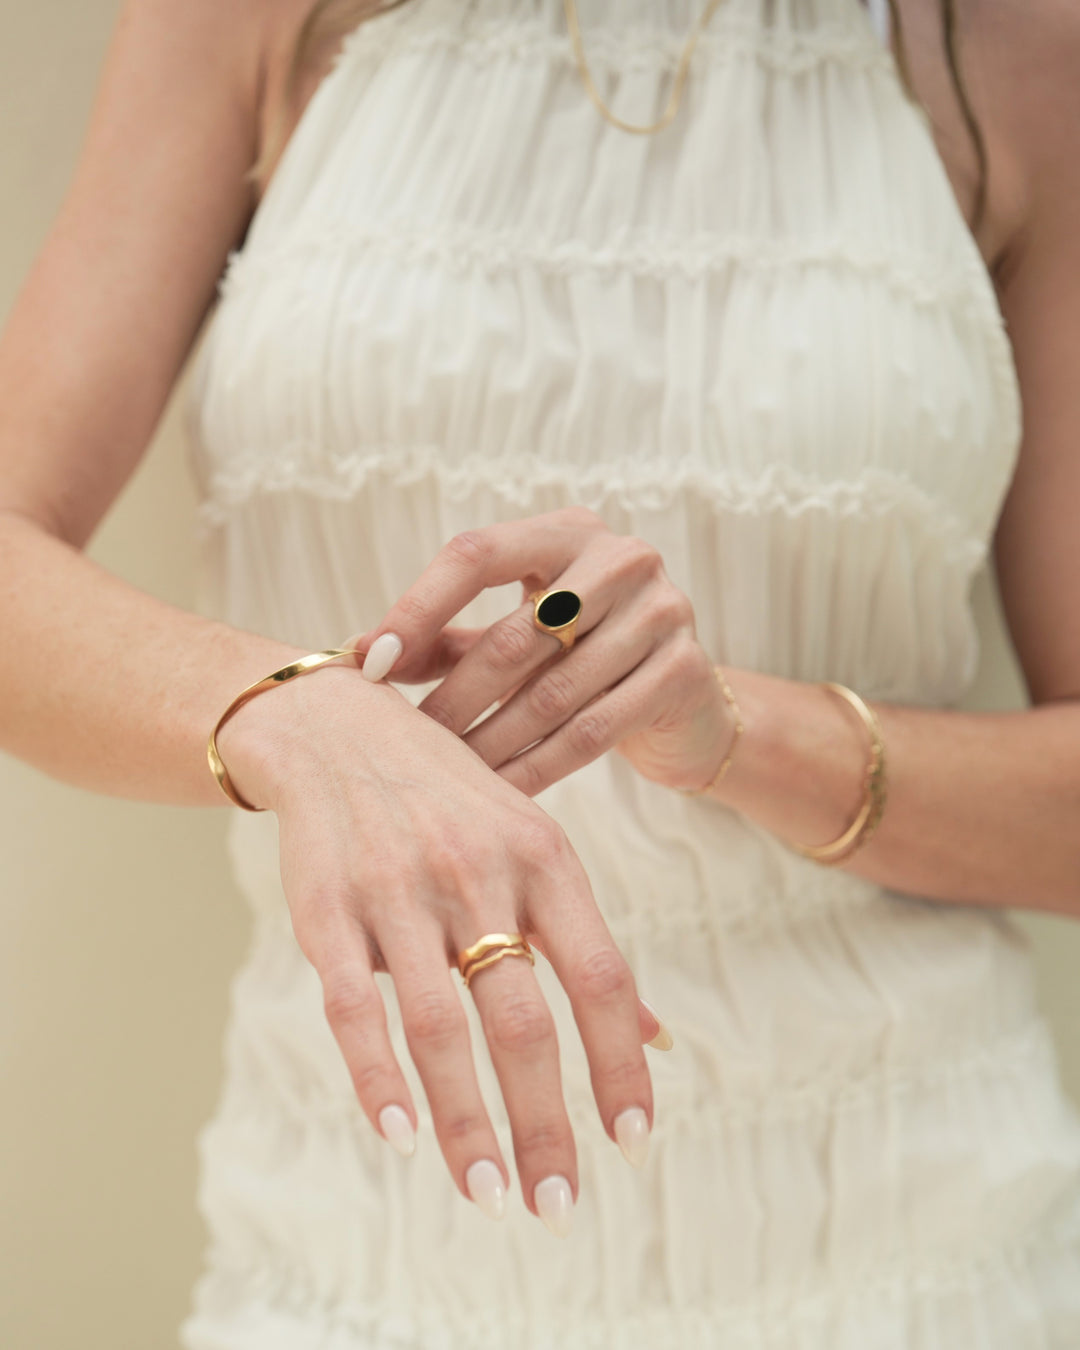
557 613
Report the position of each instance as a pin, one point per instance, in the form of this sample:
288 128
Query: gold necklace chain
680 72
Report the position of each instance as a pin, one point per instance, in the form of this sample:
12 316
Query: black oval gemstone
558 608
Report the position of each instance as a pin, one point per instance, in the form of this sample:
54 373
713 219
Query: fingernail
554 1202
662 1040
485 1185
632 1135
382 654
397 1130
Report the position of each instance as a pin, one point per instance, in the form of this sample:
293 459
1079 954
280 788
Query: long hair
331 20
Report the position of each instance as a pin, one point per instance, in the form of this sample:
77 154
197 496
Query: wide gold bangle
294 668
873 805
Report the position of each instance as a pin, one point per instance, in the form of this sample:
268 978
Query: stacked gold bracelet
873 804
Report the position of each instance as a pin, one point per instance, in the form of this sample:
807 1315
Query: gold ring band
490 948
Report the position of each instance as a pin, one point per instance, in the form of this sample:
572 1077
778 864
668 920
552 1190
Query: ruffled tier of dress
831 1165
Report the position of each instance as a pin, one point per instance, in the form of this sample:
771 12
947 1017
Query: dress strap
880 18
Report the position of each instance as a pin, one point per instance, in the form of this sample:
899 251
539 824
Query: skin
87 361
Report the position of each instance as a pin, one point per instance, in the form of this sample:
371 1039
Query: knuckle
418 607
589 732
520 1024
670 608
368 1077
433 1021
348 1000
542 1136
637 557
461 1126
471 547
687 663
604 974
509 642
552 696
584 516
540 841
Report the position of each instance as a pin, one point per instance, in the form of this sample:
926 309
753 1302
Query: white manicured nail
632 1135
397 1130
485 1185
382 654
662 1040
554 1202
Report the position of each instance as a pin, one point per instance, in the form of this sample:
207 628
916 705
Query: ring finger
552 695
437 1033
509 652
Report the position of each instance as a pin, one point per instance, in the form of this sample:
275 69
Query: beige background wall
119 930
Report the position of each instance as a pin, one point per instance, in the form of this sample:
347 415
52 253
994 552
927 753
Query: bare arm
983 808
383 869
101 684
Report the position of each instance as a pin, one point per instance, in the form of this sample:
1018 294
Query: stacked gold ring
490 948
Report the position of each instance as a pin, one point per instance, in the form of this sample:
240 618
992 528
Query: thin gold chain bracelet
726 762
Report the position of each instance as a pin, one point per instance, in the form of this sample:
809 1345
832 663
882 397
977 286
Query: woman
740 383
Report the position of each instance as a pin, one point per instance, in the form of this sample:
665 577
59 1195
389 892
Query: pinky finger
357 1016
653 1031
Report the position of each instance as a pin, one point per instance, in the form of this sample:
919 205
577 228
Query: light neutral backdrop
120 929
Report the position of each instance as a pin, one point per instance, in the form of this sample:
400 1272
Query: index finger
538 547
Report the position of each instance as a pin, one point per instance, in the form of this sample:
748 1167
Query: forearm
983 808
106 687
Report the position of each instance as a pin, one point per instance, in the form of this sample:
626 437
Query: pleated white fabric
765 341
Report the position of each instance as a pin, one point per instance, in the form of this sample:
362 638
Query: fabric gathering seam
285 1288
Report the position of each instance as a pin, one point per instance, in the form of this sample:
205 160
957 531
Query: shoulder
1019 61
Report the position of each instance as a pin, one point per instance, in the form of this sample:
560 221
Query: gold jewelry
557 612
490 948
725 763
869 814
681 70
299 667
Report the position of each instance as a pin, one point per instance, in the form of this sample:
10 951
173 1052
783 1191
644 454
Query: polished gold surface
490 948
294 668
873 806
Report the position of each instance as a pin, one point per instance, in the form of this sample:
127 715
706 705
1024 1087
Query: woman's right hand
399 847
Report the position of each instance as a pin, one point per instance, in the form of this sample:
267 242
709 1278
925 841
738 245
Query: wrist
800 769
267 740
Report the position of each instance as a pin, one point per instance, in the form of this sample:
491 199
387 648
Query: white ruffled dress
764 340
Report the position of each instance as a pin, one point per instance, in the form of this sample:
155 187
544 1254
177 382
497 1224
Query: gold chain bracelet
725 763
294 668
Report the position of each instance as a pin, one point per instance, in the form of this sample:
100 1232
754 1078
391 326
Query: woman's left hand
635 679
